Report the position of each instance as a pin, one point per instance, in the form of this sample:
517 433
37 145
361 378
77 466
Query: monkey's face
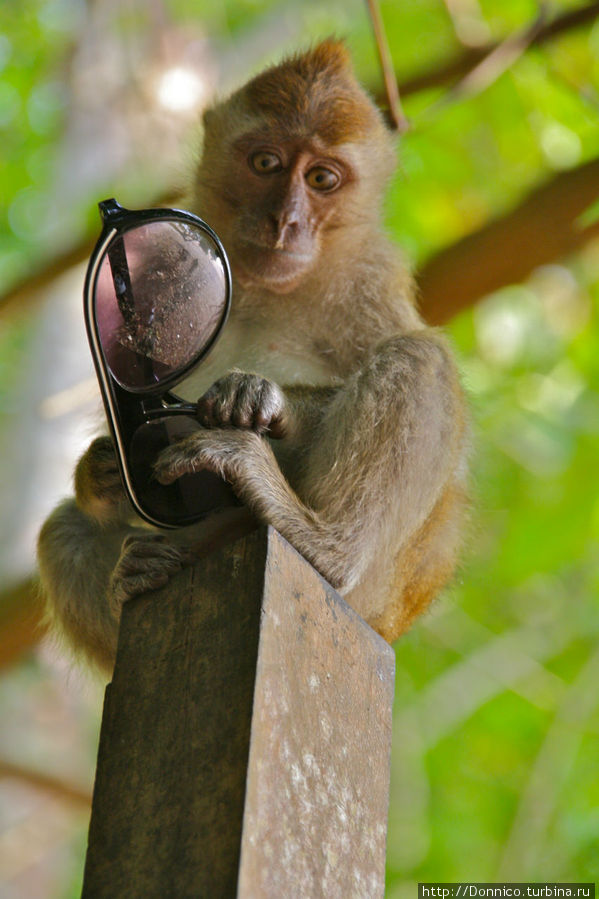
281 199
292 162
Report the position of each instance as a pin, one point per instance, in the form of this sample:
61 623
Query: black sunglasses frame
127 409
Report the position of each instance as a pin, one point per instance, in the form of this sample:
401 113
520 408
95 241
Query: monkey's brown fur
359 459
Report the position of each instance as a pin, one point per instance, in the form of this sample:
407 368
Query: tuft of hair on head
314 91
328 56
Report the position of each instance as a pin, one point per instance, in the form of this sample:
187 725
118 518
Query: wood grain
249 716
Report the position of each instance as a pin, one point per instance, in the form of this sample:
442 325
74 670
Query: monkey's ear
212 124
208 118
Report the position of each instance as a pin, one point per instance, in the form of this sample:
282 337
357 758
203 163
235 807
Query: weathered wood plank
246 736
317 798
170 782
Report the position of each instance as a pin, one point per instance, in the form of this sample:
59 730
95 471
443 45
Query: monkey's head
289 160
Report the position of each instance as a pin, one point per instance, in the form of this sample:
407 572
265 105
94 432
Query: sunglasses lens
160 298
192 495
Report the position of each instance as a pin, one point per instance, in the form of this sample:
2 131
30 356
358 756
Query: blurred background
496 203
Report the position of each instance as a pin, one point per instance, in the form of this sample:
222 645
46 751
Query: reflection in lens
160 297
189 498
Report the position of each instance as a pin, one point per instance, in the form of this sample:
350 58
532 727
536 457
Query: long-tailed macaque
332 410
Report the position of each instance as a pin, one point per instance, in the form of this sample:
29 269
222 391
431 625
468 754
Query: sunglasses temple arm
121 280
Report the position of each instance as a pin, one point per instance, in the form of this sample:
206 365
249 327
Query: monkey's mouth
278 268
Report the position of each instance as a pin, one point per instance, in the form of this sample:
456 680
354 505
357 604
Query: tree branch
543 228
40 780
23 293
20 621
450 71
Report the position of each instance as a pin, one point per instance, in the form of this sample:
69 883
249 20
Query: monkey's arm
383 447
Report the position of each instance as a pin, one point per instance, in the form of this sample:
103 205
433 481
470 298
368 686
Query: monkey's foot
147 562
244 400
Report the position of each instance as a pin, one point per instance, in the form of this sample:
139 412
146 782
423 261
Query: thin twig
396 112
468 23
449 71
501 58
491 67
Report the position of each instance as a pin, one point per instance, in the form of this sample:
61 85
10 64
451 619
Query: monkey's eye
265 162
321 178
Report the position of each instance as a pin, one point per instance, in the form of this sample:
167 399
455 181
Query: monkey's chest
262 350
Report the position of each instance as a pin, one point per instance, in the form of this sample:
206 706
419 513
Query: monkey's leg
386 445
91 559
88 571
423 566
76 558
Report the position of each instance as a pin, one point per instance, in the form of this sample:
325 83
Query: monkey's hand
247 461
246 401
98 488
221 451
146 562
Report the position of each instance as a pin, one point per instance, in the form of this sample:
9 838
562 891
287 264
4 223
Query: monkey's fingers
277 427
243 400
186 457
146 563
217 450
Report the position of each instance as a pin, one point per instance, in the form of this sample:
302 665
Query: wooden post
246 738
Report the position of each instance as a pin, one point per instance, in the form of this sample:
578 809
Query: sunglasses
157 295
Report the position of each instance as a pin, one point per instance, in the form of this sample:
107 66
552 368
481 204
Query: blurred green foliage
497 734
509 777
35 38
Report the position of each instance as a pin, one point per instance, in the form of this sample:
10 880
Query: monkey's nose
286 226
284 232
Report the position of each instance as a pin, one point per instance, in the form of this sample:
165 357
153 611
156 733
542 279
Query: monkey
330 407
